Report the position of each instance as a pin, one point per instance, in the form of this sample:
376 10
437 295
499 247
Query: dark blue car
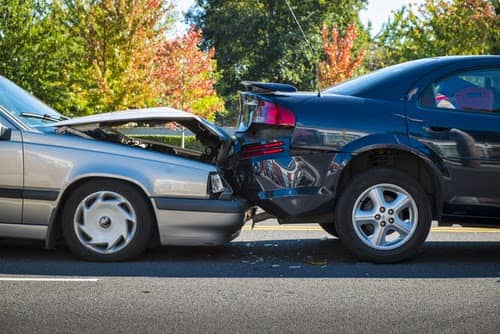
374 160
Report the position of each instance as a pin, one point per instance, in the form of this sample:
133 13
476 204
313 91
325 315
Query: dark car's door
11 173
458 117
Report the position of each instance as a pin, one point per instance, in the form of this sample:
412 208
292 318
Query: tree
120 39
259 39
339 62
186 76
440 28
37 51
91 56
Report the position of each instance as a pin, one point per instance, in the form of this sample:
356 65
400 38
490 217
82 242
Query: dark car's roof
394 82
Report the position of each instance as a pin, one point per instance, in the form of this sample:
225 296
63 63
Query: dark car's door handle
437 129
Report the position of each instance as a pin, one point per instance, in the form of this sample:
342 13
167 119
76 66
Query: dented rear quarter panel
330 130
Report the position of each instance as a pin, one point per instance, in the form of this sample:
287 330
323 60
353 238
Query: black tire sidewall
329 228
344 208
136 199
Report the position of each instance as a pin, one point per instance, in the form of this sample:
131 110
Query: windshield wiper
43 116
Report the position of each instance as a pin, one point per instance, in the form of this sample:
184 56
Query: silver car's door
11 173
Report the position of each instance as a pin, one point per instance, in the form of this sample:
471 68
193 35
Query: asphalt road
273 279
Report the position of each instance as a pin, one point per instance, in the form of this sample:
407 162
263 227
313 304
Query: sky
377 12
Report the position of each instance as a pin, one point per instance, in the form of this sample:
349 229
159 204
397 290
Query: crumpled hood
214 133
128 115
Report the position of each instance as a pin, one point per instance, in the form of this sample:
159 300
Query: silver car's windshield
25 106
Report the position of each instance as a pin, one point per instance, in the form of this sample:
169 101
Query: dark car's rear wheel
383 215
107 221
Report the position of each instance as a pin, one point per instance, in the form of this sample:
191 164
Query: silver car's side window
477 90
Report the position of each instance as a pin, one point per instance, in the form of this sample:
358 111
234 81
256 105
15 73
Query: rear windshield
369 82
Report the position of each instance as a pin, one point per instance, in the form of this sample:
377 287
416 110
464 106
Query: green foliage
120 40
259 40
91 56
37 52
439 28
82 56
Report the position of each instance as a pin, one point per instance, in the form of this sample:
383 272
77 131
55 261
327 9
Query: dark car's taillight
254 150
273 114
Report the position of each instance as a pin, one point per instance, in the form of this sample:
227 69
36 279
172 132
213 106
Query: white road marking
46 279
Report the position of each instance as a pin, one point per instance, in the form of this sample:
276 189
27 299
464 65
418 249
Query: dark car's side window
477 90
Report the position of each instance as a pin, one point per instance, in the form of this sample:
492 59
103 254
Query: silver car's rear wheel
385 216
105 222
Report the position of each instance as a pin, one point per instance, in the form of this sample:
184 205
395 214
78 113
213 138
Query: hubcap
385 216
105 222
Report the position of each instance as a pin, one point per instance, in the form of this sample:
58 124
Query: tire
384 229
105 220
329 228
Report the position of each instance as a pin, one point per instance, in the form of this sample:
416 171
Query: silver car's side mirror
5 133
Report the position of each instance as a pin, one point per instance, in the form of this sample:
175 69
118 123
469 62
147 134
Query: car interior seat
475 98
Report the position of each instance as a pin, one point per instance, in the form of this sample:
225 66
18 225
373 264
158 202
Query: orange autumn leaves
186 76
339 62
129 62
117 42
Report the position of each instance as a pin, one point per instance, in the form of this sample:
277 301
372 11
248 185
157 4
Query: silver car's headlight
216 185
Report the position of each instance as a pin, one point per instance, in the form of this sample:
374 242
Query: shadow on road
304 258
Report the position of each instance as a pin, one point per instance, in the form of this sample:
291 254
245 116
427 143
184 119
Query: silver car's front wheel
107 220
383 215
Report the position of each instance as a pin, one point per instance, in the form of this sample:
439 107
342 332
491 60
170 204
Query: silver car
112 184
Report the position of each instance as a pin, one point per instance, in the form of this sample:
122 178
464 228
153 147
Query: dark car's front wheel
383 215
107 221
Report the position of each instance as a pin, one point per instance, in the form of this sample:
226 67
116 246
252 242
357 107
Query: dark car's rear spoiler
268 87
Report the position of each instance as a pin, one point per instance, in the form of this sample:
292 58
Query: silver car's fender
54 163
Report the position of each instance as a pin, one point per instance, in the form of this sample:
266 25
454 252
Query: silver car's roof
128 115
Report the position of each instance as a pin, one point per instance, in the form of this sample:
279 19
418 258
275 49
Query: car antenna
309 45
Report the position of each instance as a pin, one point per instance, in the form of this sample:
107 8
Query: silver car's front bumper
199 222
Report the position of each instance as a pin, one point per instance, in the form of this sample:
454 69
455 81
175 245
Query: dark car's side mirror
5 133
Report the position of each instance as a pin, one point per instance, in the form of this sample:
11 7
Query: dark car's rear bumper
199 222
290 186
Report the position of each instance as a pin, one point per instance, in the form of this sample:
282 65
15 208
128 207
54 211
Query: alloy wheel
385 216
